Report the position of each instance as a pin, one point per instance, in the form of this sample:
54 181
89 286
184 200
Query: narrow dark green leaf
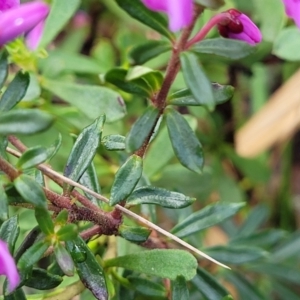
16 295
264 239
206 217
280 271
24 121
32 255
184 97
84 150
154 20
141 129
64 260
159 262
117 77
284 291
236 255
44 220
3 67
53 149
30 190
196 80
179 289
228 48
15 91
159 196
60 14
186 146
256 218
90 180
134 234
67 232
142 53
208 286
32 157
288 249
3 204
147 287
9 232
245 289
3 145
43 280
126 179
114 142
98 100
88 268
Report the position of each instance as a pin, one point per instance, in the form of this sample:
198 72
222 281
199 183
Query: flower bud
239 27
292 9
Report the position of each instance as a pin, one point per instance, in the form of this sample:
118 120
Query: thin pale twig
46 170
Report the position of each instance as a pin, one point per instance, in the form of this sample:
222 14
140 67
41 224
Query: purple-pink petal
33 37
8 266
250 29
8 4
21 19
292 9
179 11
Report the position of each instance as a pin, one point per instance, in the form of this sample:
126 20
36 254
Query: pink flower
179 12
21 19
292 9
8 267
239 27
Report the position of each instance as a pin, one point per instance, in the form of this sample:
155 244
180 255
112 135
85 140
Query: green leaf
98 100
42 280
196 80
264 239
3 203
89 179
179 289
134 234
32 256
44 220
214 4
61 12
67 232
32 157
138 86
138 11
3 67
9 232
84 150
185 144
126 179
236 255
15 91
30 190
245 289
287 44
18 294
184 97
62 217
159 262
88 268
64 260
159 196
208 286
142 53
147 287
232 49
206 217
141 129
53 149
24 121
114 142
